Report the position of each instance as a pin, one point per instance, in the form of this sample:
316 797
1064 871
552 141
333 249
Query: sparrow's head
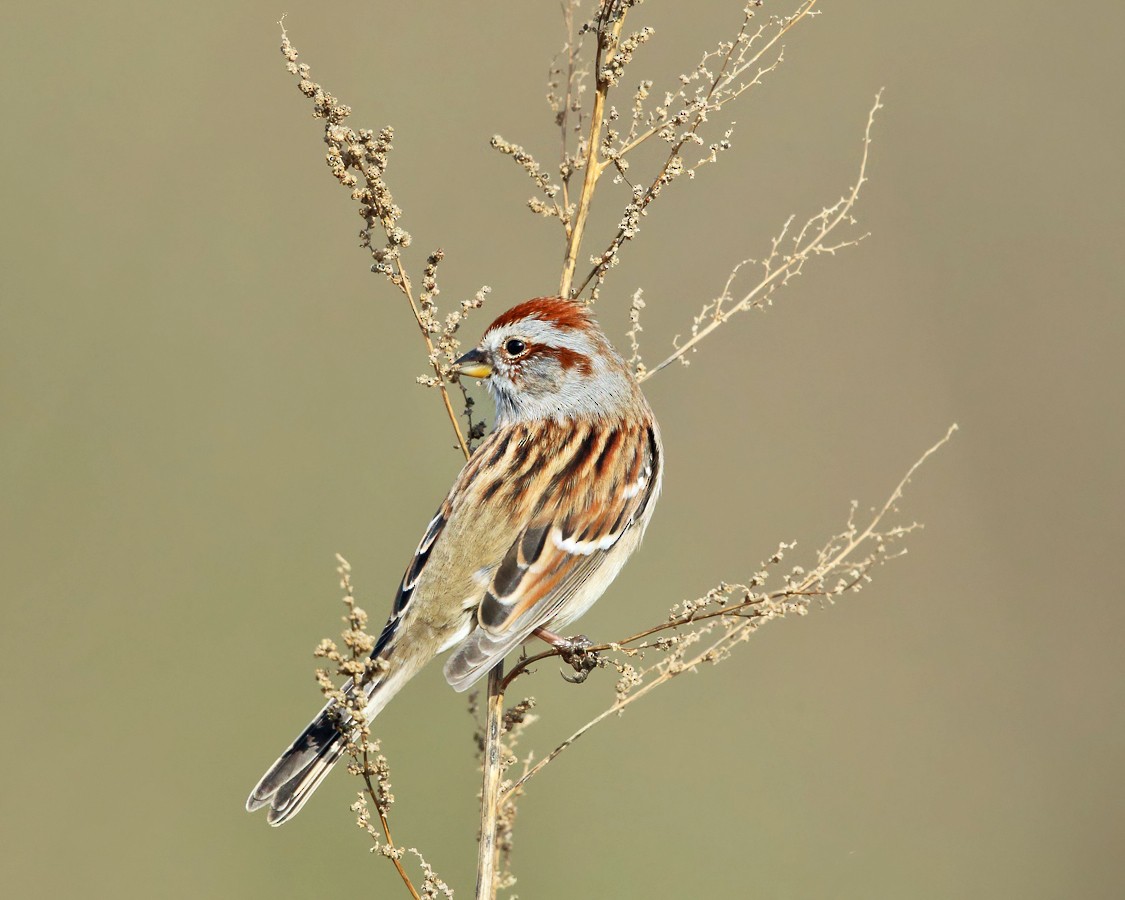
547 359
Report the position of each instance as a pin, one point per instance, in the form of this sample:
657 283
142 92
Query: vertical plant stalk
609 31
564 113
608 34
487 850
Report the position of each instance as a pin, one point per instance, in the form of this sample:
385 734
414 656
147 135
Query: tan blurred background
204 395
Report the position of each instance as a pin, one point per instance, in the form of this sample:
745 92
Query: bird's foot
575 651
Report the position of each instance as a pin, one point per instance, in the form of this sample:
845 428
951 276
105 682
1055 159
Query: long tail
298 772
290 781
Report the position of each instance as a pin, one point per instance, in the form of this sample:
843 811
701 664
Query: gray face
541 369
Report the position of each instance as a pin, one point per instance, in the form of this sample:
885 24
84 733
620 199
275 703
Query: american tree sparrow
538 523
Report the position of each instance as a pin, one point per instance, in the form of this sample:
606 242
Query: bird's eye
515 347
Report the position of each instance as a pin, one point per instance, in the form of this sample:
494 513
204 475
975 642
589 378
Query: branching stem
385 825
790 263
809 586
404 285
706 105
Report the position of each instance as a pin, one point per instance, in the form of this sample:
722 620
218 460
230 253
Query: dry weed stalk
358 160
595 137
731 613
364 752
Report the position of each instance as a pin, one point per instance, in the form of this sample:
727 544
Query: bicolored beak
475 364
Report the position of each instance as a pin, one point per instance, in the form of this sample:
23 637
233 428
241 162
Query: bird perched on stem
537 524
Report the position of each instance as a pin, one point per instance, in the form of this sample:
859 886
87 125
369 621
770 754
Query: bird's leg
574 651
555 640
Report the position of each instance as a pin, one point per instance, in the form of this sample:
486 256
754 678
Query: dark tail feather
299 771
290 781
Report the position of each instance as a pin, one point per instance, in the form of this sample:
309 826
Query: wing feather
567 540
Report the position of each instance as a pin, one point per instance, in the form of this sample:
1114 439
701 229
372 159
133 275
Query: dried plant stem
707 103
564 111
487 850
609 31
404 286
754 610
792 20
355 156
385 825
360 667
695 632
810 241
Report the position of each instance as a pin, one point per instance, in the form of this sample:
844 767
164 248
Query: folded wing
564 557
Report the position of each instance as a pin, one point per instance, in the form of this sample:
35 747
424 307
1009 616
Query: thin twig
359 162
704 106
360 667
404 285
386 825
803 11
791 263
771 605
